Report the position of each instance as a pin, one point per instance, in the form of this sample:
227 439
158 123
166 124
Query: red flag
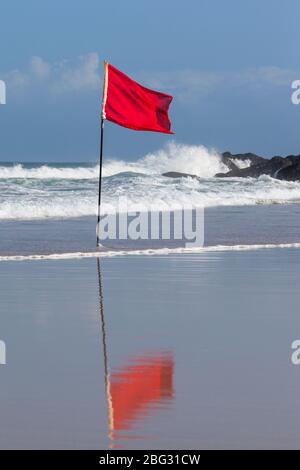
131 105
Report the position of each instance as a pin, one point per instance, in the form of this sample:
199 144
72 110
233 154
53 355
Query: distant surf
39 191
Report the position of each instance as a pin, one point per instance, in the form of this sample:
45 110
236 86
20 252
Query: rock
263 167
228 158
234 170
284 168
277 167
289 173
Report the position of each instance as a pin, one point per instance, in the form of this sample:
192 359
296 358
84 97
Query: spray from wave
192 159
242 163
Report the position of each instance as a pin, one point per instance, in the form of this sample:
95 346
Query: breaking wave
192 159
45 172
41 191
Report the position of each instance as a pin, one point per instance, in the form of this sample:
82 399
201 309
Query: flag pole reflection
105 359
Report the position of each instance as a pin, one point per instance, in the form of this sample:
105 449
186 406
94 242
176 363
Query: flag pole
100 179
103 117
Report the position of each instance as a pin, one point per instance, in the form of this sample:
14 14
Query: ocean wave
146 252
142 194
194 159
46 172
67 191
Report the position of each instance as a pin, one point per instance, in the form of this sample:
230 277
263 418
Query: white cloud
16 80
191 85
39 68
81 74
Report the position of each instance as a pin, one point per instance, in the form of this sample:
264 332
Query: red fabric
133 106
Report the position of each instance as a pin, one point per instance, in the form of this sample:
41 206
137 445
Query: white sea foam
241 163
45 172
154 193
147 252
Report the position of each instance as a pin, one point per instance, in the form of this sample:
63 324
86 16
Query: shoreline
148 252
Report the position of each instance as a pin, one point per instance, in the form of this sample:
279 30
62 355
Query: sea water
51 208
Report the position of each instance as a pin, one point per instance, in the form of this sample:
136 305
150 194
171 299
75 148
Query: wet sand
186 351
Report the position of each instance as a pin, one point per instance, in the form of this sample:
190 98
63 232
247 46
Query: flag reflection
136 389
139 387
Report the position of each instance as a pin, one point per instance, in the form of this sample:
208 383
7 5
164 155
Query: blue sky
228 64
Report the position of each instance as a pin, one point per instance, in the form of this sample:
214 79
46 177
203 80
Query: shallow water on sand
230 226
189 351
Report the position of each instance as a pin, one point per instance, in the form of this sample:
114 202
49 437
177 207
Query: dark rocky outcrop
285 168
289 173
229 158
262 167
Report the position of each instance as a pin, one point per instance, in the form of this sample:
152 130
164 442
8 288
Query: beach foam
147 252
